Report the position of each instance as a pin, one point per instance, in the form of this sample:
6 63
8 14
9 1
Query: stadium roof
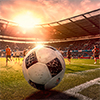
77 26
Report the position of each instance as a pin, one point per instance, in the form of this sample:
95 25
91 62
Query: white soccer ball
43 67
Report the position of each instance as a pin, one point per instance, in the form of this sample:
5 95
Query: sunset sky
44 11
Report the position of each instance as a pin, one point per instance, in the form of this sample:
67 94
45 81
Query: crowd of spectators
64 46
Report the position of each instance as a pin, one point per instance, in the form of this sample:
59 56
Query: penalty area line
75 91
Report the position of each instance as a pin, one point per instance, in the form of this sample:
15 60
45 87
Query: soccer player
99 55
8 54
60 50
24 52
69 55
95 53
14 54
17 55
28 49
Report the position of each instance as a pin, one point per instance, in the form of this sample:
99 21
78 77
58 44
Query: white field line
81 72
90 64
75 91
86 64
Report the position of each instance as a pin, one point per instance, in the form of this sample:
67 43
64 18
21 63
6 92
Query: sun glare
39 45
27 20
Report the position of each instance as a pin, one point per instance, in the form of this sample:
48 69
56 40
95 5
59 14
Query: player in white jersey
28 49
17 55
14 55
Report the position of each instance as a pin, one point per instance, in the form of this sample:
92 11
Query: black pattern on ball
31 59
54 66
37 86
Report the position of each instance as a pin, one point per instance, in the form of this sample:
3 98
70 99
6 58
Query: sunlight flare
27 20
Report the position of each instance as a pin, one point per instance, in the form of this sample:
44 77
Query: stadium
79 33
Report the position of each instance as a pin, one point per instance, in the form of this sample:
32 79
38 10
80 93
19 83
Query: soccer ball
43 67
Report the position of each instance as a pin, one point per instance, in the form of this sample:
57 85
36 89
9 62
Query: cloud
47 10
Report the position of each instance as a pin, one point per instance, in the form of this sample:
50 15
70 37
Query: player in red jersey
69 55
95 53
8 54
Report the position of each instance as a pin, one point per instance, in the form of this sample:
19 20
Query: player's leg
6 60
15 59
10 57
69 60
23 58
95 60
99 58
18 59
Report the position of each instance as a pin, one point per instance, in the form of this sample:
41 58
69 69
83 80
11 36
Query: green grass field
13 85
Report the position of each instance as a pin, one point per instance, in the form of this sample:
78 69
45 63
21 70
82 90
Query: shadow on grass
50 95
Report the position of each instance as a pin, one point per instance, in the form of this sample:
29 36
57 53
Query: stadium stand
78 48
79 33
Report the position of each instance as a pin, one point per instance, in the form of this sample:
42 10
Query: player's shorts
96 56
24 55
8 56
17 56
69 57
